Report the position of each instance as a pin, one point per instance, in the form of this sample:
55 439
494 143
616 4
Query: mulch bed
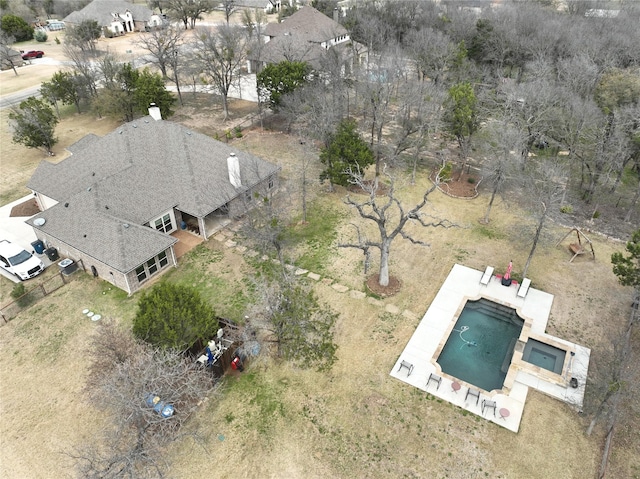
383 291
462 186
27 208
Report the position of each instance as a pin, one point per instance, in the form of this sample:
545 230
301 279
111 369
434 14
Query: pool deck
427 340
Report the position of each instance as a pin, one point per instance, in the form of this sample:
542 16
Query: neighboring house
117 16
116 201
12 58
268 6
306 36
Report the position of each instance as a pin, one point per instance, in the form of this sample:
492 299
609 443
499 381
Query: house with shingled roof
117 202
306 36
117 16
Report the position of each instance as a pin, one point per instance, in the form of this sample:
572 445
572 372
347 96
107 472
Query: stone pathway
227 238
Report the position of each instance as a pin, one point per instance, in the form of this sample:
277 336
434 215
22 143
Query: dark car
32 54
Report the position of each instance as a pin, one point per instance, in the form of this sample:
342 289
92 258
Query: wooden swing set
579 248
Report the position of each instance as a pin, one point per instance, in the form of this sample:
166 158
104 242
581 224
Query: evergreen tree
174 316
346 153
33 124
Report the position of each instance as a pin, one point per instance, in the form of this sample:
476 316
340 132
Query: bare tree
85 69
545 185
220 54
189 11
148 396
298 324
229 7
8 56
390 217
164 46
502 143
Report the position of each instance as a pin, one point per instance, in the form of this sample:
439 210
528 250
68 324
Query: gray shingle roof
101 10
133 175
299 36
307 24
101 235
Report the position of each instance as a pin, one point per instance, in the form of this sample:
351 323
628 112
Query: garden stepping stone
392 308
314 276
340 288
357 294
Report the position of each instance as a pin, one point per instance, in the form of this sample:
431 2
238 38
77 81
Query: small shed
582 246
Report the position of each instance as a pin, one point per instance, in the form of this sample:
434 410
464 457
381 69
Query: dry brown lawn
277 421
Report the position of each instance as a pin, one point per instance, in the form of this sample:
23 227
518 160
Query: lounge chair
524 287
486 277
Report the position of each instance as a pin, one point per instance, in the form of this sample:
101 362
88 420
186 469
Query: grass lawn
274 420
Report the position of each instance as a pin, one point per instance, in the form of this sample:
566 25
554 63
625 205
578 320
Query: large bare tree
220 54
390 217
147 396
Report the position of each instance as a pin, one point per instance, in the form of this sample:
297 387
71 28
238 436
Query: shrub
238 131
596 215
447 172
568 209
471 180
16 27
18 293
40 35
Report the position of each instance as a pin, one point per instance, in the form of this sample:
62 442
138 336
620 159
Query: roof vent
66 205
135 126
125 225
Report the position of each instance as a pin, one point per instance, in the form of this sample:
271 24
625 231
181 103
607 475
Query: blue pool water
480 346
544 355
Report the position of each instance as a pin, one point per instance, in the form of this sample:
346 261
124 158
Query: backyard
274 420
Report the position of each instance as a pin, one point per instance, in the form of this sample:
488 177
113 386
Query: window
152 266
164 224
162 259
141 273
270 183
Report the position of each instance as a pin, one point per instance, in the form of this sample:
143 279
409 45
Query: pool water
544 355
480 347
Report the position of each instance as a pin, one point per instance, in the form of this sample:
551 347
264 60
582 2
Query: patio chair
473 393
486 404
435 378
407 365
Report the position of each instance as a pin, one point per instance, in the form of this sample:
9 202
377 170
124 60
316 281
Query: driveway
17 231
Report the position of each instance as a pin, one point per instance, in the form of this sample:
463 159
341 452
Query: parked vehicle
32 54
18 261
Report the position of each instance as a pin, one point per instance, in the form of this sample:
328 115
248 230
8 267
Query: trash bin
67 266
51 253
38 246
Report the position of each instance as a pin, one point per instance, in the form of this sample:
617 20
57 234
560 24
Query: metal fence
32 296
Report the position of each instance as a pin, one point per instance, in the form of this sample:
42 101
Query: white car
17 261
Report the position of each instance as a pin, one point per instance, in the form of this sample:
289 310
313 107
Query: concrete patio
425 344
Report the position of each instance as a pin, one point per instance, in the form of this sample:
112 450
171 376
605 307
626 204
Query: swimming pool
480 346
544 355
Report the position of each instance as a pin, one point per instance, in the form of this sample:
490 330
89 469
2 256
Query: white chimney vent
233 164
154 112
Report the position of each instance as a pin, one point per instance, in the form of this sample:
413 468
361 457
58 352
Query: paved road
16 98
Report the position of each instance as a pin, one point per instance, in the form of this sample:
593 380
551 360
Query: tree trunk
535 239
383 279
485 220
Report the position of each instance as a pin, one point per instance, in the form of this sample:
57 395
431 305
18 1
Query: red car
32 54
